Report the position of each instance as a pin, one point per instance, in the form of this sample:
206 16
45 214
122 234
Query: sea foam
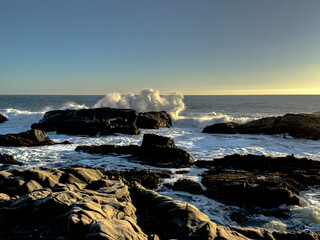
148 100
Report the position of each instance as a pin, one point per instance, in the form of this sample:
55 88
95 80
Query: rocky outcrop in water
155 150
8 159
187 185
266 182
296 125
103 121
29 138
2 118
83 203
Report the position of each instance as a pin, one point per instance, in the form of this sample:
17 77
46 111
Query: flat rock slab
103 121
155 150
296 125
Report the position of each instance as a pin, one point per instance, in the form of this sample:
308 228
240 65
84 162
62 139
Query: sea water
191 114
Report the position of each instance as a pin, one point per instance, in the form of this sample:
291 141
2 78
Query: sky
194 47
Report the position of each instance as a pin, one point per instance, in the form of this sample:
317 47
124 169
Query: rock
2 118
155 150
148 179
187 185
154 120
245 189
104 121
225 128
66 212
296 125
8 159
170 219
82 203
30 138
266 182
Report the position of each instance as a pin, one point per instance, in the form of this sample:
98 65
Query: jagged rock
170 219
82 203
8 159
69 209
2 118
155 150
104 121
296 125
187 185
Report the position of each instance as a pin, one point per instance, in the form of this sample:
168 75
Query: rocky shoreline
91 203
84 203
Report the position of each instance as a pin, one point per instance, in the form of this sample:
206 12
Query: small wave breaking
148 100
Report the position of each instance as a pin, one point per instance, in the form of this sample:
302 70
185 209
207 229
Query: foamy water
186 132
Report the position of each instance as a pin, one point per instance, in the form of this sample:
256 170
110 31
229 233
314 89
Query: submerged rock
155 150
29 138
104 121
296 125
2 118
187 185
8 159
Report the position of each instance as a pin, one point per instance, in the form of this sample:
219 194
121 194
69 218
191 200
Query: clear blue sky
195 47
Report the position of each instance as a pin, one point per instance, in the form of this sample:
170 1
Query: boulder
104 121
34 137
8 159
187 185
155 150
296 125
2 118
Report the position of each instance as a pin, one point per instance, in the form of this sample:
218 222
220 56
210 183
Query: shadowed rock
267 182
296 125
104 121
8 159
2 118
187 185
29 138
155 150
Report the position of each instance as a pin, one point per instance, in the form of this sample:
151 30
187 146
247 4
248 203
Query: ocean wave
148 100
203 120
72 105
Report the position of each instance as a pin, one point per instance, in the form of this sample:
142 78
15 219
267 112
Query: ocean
191 114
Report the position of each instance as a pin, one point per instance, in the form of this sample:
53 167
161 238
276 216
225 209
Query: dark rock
154 120
155 150
246 188
261 163
30 138
225 128
296 125
8 159
187 185
182 171
104 121
148 179
2 118
239 217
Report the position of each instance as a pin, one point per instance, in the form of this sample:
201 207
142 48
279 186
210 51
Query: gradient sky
194 47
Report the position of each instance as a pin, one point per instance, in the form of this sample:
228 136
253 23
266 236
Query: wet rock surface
84 203
296 125
253 180
155 150
8 159
103 121
29 138
2 118
187 185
